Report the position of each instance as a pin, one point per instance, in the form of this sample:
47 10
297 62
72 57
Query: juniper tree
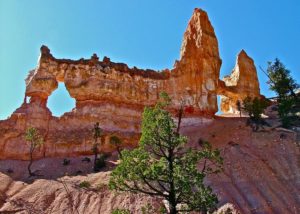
255 108
163 166
280 79
35 140
282 83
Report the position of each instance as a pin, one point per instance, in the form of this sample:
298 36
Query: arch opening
60 101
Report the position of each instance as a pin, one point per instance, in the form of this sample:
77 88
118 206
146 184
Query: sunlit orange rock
194 78
115 95
242 82
112 94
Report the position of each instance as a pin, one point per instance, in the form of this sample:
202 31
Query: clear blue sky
144 33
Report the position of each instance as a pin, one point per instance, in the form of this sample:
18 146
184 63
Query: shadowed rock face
115 95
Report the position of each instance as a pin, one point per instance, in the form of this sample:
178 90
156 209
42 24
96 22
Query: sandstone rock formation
115 95
242 82
261 170
193 79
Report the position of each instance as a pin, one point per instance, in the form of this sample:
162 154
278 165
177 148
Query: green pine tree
163 166
282 83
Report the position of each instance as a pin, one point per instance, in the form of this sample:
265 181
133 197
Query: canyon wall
115 95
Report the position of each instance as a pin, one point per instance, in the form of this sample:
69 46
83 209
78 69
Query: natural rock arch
115 95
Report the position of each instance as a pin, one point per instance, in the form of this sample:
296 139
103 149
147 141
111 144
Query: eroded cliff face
115 95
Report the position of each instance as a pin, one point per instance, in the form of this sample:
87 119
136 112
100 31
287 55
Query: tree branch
136 189
204 167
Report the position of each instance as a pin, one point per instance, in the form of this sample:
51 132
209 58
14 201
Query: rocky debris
242 82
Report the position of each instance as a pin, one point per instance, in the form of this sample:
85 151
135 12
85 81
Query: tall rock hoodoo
200 63
242 82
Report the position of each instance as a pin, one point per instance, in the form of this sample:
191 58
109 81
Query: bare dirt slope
261 170
50 196
261 175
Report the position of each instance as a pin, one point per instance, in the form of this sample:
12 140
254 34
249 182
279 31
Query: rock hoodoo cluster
115 95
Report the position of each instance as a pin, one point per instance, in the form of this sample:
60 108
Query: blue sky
142 33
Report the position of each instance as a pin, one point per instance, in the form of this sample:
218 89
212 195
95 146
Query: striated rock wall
115 95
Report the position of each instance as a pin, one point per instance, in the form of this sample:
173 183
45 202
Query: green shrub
100 187
120 211
148 209
86 159
100 162
85 184
66 162
255 107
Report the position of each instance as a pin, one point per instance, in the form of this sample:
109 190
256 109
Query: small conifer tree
35 140
163 167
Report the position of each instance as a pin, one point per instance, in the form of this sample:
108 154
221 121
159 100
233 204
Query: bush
100 187
78 172
255 107
10 171
285 106
66 162
100 162
86 159
148 209
120 211
85 184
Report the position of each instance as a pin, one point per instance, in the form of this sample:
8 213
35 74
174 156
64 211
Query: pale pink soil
261 175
